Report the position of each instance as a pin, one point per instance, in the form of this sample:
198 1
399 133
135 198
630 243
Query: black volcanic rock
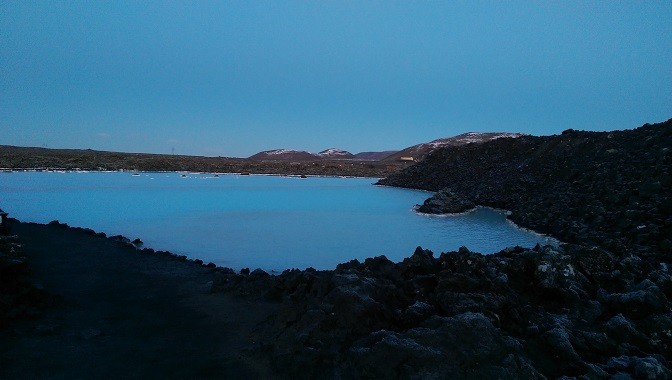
519 313
610 189
446 202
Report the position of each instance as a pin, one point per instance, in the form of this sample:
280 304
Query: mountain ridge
416 152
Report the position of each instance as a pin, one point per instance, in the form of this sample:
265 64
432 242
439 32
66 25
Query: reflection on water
270 222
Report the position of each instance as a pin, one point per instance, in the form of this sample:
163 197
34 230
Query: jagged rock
430 352
543 304
623 330
258 272
120 239
416 313
641 368
421 262
644 299
557 345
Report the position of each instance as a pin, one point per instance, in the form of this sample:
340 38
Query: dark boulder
641 367
643 300
463 346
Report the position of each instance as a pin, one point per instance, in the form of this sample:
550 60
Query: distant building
406 158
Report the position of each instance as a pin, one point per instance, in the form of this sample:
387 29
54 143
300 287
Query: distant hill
14 158
374 156
301 155
284 155
418 152
335 153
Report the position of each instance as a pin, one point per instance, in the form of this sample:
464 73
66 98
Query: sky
220 78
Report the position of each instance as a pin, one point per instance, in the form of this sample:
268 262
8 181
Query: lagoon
268 222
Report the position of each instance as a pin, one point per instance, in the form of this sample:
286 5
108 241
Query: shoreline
220 256
141 248
3 170
46 159
366 310
554 240
137 244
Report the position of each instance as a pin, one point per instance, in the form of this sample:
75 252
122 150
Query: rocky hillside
374 156
419 151
301 155
610 189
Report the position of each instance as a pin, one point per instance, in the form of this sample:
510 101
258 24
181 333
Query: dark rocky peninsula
597 306
610 189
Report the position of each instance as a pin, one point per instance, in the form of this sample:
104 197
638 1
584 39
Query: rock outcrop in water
446 202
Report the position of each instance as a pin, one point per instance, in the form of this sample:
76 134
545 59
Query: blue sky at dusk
235 78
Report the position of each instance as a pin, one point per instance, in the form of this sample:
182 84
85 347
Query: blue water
267 222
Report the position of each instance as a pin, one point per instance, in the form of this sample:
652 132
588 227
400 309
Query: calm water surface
267 222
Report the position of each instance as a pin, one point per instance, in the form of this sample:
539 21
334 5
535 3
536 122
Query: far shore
26 158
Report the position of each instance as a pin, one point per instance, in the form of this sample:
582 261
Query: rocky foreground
595 307
520 313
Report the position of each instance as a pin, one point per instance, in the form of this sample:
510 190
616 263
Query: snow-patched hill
301 155
335 153
418 152
284 155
